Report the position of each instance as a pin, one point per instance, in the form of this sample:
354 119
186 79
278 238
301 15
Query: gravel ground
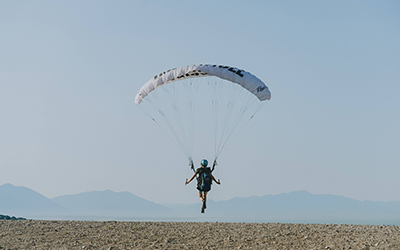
36 234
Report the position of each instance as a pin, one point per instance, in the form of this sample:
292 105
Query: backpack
204 179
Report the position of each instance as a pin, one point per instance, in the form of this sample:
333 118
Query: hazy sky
69 72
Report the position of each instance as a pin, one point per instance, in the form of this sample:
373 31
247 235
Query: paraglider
204 181
234 96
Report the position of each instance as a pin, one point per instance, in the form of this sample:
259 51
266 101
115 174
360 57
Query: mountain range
107 202
22 199
296 207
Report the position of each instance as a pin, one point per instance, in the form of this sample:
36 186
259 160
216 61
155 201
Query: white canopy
241 77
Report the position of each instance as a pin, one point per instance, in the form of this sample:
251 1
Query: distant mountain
22 200
293 207
302 206
108 202
305 202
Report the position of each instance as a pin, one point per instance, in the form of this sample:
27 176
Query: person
204 180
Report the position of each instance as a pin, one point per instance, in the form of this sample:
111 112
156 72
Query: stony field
36 234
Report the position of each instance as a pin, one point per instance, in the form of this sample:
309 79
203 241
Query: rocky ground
35 234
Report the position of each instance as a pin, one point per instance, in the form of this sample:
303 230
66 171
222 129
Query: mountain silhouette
108 202
305 202
294 207
23 200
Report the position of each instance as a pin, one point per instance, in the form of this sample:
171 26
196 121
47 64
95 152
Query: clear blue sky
69 72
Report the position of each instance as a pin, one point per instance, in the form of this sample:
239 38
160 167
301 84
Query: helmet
204 162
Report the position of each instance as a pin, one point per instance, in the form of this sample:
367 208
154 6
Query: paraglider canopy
235 94
241 77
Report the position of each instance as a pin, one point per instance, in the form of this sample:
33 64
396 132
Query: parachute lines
234 97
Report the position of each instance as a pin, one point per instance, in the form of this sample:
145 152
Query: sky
69 72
